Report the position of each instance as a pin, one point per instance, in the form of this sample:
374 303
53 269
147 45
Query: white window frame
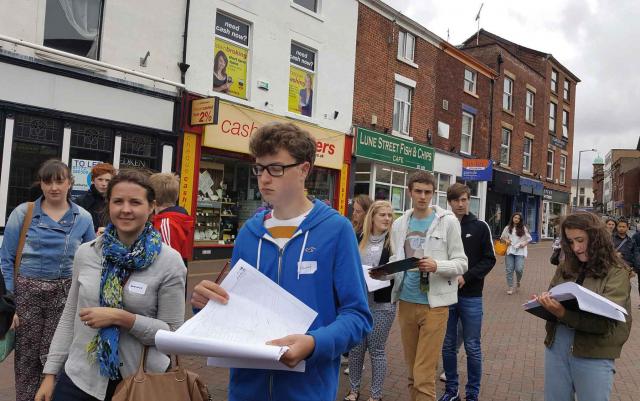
317 9
550 163
440 194
507 95
468 134
529 106
506 146
554 81
526 158
553 111
565 123
406 48
566 90
470 83
404 126
563 169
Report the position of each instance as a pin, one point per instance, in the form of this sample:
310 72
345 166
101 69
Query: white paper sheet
372 283
588 301
235 335
205 182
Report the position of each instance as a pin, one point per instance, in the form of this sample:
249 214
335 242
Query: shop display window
35 140
217 211
228 196
474 200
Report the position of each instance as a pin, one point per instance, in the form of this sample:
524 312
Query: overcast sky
596 39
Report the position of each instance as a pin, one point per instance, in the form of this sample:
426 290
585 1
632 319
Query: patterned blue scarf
118 262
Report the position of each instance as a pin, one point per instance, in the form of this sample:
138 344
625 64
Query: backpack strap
26 223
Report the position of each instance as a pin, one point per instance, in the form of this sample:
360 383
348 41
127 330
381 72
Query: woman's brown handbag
177 384
500 247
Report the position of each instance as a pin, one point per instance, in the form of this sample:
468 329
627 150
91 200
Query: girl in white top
517 237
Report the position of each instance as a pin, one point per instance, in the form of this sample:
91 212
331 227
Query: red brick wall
376 66
450 87
525 74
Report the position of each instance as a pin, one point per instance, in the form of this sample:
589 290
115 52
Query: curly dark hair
276 136
519 227
602 255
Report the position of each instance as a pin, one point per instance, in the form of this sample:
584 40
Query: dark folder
569 304
397 266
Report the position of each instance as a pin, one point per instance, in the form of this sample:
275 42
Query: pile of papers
235 335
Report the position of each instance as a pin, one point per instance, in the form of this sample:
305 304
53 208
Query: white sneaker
443 377
346 371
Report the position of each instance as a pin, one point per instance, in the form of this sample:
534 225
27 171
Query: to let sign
202 111
389 149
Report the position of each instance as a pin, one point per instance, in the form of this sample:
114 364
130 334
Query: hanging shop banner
392 150
187 170
202 111
342 199
300 91
235 124
477 169
230 68
81 171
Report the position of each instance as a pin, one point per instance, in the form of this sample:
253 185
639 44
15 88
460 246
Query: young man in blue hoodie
310 251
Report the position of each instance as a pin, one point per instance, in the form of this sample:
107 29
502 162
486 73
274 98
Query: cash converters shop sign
389 149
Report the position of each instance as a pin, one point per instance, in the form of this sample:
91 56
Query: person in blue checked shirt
310 251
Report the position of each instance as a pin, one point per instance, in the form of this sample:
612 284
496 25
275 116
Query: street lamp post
578 179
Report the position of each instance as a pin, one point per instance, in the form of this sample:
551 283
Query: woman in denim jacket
57 228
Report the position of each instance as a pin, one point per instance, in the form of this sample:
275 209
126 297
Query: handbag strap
140 374
26 223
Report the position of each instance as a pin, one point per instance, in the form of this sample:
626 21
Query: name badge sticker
137 287
307 267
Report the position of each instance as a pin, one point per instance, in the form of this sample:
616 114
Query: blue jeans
514 262
567 376
469 311
66 390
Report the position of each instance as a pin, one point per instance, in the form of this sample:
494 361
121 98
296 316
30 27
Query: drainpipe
183 65
500 61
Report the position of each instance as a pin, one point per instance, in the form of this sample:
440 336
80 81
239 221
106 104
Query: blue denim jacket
50 246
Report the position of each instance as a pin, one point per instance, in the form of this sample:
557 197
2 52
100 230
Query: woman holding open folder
580 346
375 249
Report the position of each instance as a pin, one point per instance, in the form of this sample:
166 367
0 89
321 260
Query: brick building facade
397 62
532 136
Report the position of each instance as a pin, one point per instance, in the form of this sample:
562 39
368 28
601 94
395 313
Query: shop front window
390 185
363 178
228 196
90 145
532 215
320 185
474 199
35 140
138 151
443 181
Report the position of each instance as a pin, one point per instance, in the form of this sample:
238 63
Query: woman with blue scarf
126 286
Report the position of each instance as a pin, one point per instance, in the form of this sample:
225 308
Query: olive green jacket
597 336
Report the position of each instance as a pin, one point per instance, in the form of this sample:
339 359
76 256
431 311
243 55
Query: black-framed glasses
274 170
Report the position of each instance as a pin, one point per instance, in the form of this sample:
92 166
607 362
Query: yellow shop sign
237 123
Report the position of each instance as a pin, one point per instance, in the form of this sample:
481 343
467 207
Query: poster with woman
230 56
301 77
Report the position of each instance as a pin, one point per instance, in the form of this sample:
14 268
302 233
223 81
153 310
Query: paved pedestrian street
512 340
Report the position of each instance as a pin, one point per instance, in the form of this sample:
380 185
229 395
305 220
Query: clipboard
397 266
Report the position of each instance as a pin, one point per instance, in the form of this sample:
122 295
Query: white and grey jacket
155 295
444 244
